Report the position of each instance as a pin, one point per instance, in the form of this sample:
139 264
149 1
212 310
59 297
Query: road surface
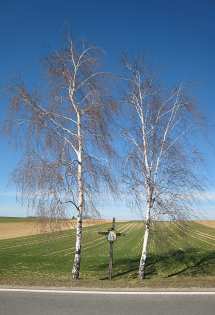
52 303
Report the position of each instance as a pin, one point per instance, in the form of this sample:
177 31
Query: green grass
179 255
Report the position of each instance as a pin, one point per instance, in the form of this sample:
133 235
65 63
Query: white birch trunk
146 238
77 258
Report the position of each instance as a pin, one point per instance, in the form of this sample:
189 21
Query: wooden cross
111 236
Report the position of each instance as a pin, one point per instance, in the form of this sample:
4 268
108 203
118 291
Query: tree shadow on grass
186 262
124 266
199 264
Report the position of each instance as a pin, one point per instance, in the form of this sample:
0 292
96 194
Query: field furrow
174 248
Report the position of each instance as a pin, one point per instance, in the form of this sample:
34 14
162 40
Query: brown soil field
25 228
209 223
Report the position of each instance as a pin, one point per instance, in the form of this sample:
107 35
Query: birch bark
146 236
77 257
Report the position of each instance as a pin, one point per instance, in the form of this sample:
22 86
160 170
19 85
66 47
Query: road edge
112 291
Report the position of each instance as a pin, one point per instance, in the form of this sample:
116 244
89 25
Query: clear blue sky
177 38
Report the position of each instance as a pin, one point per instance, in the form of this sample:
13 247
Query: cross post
111 236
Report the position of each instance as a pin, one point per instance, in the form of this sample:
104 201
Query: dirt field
25 228
209 223
16 229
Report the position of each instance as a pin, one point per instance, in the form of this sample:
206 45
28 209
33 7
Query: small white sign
111 236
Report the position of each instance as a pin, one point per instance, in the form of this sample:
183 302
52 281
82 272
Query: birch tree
65 137
159 167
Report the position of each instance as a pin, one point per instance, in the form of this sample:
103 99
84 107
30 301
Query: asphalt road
28 303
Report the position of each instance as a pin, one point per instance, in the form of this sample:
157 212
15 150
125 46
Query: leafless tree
159 167
65 136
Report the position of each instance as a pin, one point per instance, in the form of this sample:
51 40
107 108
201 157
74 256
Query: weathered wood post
111 236
110 260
